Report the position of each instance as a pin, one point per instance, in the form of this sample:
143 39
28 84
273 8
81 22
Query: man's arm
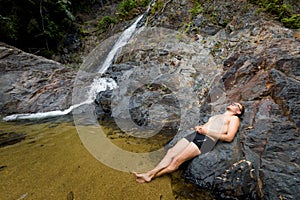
233 127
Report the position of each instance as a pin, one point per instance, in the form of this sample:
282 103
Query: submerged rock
10 138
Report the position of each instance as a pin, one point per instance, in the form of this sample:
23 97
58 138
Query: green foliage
82 31
292 22
189 27
105 23
127 5
281 11
210 12
38 25
47 53
52 30
143 3
55 22
158 5
197 9
9 27
64 6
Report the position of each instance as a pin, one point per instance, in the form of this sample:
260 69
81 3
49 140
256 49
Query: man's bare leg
188 153
172 152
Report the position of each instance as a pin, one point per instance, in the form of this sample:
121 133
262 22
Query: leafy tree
38 26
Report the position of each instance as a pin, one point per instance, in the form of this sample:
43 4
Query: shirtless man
219 127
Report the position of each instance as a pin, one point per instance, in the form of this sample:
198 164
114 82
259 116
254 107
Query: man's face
235 107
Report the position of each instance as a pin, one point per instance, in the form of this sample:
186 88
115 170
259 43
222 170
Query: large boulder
261 70
30 83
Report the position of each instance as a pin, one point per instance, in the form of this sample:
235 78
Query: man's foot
142 178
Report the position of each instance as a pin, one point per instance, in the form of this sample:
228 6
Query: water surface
52 163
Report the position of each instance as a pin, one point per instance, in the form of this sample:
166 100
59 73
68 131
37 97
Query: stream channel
50 162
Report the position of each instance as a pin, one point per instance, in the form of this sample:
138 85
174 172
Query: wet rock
154 79
2 167
211 29
70 196
103 102
237 178
10 138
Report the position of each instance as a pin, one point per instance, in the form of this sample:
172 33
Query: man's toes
140 180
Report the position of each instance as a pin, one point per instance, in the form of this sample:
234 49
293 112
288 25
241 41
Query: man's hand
201 129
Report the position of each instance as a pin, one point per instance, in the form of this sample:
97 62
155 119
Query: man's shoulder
234 117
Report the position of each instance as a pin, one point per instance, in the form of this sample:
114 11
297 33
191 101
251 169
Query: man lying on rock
219 127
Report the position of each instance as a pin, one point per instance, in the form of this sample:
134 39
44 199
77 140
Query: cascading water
98 85
123 40
125 36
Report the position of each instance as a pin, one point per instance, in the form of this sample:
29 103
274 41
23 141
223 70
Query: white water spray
98 85
41 115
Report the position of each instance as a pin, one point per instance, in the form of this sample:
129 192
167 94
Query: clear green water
52 163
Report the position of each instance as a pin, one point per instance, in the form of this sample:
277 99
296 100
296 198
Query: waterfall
100 84
123 39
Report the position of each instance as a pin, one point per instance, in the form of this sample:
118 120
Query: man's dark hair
242 111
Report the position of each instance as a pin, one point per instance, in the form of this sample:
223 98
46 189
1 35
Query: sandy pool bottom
52 163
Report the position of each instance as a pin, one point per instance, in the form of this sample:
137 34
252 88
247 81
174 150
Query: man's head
237 108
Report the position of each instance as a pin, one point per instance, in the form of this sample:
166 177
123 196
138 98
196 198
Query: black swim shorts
204 143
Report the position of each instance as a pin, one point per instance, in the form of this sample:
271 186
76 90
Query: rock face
156 73
32 84
263 72
260 70
256 61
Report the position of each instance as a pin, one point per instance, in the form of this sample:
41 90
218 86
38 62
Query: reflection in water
52 163
131 143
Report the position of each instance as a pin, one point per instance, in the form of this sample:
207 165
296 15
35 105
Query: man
219 127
